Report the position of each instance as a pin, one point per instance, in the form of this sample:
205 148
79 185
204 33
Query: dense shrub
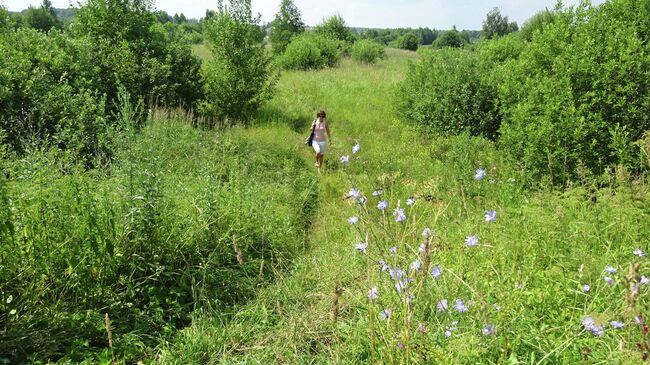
302 54
567 95
42 94
311 51
138 53
445 93
366 51
183 222
334 27
579 93
239 77
286 25
451 38
407 41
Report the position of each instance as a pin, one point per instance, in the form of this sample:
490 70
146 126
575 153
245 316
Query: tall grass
183 221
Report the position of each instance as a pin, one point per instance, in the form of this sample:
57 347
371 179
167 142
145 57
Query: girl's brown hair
321 114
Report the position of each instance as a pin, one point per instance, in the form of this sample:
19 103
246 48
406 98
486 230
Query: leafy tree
239 78
408 41
537 23
334 27
451 38
497 25
5 20
286 25
42 18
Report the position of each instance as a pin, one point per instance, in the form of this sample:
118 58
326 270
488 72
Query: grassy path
530 266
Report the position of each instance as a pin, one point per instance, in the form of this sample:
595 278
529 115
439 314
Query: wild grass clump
183 222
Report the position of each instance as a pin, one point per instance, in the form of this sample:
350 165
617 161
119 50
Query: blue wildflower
489 330
609 281
415 265
610 269
490 216
436 271
376 193
410 201
373 293
356 148
385 314
393 251
480 174
400 285
639 253
644 280
471 241
399 215
353 220
442 305
460 306
361 247
382 205
617 324
589 324
422 248
354 193
586 288
345 159
426 233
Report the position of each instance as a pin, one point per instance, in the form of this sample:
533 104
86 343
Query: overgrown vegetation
239 78
368 52
567 94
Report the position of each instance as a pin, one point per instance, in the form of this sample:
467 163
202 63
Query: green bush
239 77
451 38
366 51
578 95
334 27
311 51
445 93
181 223
286 25
302 54
407 41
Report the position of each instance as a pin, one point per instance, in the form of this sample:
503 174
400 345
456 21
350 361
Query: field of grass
226 247
525 277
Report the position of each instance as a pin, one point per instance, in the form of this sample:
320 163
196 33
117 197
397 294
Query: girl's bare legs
320 160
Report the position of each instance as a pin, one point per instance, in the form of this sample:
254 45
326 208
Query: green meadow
525 276
484 199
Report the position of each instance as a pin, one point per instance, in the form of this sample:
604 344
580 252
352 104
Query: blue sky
438 14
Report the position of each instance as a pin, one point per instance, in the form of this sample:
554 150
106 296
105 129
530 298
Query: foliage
239 77
334 27
286 25
311 51
566 96
577 97
445 92
451 38
52 105
497 25
147 55
425 36
537 23
185 221
5 20
42 18
302 54
407 41
366 51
